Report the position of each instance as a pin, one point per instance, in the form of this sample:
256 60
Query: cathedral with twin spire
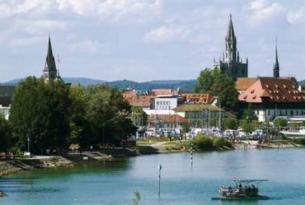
231 63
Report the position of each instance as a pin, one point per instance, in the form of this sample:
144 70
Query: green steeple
50 71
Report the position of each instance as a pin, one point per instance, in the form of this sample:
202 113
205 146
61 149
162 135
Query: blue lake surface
114 183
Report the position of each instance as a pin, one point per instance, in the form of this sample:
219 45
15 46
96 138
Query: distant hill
186 85
82 81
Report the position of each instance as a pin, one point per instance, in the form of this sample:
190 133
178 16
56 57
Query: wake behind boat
242 190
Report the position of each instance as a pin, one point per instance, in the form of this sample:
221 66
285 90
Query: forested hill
186 85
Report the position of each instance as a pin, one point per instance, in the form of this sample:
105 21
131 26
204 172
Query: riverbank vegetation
51 116
203 142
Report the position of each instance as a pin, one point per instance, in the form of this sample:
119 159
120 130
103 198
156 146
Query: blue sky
148 39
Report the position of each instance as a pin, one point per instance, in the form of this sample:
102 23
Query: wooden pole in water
191 155
159 177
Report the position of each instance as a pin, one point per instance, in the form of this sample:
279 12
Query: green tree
280 122
5 134
220 85
248 114
40 111
80 130
109 114
224 88
248 126
205 81
138 116
230 123
185 127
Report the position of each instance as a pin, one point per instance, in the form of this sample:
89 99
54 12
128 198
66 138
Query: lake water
181 183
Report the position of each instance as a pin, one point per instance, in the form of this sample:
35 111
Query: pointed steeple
276 65
50 71
231 63
230 41
230 32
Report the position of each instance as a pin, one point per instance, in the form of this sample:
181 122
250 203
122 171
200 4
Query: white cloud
84 46
114 10
40 27
25 41
296 17
29 7
262 11
167 34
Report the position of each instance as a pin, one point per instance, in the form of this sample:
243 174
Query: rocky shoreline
10 166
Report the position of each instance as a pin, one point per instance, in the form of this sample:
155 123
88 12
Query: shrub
203 142
221 142
280 122
230 123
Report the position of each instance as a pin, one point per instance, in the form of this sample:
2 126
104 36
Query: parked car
229 133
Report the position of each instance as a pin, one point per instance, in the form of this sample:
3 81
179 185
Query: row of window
163 107
199 115
163 102
284 112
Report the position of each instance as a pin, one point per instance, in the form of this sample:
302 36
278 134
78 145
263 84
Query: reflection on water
181 183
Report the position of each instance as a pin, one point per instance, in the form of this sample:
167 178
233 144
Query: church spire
50 71
230 32
276 65
231 63
230 41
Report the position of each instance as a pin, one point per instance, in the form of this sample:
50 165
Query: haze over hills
186 85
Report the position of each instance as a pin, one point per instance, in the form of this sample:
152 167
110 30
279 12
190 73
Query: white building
163 105
6 93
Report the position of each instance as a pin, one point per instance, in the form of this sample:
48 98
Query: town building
6 95
273 97
201 115
231 63
197 98
166 124
136 99
242 84
164 91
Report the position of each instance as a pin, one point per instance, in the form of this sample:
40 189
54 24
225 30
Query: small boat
2 194
242 190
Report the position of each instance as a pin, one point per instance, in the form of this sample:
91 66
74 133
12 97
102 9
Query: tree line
53 115
218 84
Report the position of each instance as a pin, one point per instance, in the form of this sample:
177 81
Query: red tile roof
273 89
197 98
166 118
243 84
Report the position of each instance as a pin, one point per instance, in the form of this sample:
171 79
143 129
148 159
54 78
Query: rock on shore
15 165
